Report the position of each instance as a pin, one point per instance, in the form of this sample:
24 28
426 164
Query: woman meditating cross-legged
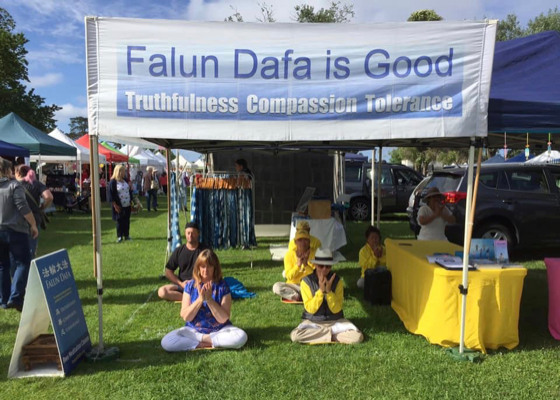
206 310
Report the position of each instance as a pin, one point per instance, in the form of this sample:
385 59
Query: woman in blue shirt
206 310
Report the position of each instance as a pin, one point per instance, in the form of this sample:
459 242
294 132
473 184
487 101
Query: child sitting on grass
373 254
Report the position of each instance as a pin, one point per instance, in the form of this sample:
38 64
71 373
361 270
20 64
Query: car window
352 173
502 182
489 179
386 176
527 181
444 182
556 178
408 177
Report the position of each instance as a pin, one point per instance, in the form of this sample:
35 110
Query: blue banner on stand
65 308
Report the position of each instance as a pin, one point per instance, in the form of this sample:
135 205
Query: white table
329 231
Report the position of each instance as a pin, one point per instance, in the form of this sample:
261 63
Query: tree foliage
422 158
14 96
78 127
337 12
235 17
510 27
542 22
267 13
424 15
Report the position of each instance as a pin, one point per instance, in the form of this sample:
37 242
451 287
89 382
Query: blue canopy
525 90
520 157
494 160
11 150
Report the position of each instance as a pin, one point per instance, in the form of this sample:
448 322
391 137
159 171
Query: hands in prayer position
326 284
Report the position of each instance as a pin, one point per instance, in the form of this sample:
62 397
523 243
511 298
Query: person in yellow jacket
373 254
323 319
314 243
296 267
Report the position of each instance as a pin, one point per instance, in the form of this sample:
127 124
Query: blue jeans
13 290
152 198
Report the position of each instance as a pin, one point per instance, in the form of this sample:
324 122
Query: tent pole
336 176
342 169
379 186
372 180
168 162
96 229
469 217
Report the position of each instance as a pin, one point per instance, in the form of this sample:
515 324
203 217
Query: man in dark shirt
184 258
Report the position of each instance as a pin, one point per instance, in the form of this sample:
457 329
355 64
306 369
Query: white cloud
54 53
68 111
50 79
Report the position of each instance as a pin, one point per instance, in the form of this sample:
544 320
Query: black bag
377 286
44 218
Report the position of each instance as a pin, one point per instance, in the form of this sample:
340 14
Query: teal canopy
16 131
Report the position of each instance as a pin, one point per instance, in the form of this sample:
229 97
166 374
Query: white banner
286 82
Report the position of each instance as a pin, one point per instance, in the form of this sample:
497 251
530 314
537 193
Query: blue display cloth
175 228
525 90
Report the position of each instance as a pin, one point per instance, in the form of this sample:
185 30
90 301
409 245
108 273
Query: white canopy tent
182 161
82 154
144 156
546 157
198 164
420 84
157 161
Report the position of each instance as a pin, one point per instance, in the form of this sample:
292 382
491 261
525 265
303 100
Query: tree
509 28
235 17
424 15
14 96
541 23
78 127
267 13
337 12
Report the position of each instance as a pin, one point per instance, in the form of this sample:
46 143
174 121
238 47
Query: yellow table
427 300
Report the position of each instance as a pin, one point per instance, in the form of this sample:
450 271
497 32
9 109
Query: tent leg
372 180
99 353
379 186
463 354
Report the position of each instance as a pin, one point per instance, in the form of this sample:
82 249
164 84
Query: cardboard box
319 209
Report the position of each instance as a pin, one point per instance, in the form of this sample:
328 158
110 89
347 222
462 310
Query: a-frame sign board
51 299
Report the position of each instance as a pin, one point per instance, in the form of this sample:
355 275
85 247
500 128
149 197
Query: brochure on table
447 261
489 253
51 299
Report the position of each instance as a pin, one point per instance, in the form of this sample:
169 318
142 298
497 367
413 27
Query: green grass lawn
391 363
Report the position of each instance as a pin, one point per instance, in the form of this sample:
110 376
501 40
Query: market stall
415 89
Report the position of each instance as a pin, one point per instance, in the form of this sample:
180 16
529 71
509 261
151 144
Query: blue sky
55 29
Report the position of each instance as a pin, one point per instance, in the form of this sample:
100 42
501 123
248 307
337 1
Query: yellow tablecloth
427 299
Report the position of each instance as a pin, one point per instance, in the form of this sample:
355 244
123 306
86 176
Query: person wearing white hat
296 267
434 216
323 294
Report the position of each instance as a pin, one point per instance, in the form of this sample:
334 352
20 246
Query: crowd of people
23 200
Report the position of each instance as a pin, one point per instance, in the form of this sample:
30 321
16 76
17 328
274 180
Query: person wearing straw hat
323 294
296 267
314 243
434 216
